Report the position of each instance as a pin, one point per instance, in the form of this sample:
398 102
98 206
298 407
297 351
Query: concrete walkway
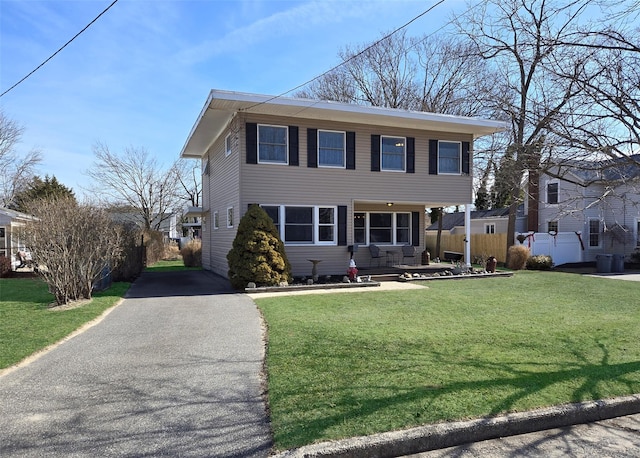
173 371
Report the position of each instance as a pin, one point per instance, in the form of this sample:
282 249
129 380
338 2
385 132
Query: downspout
467 234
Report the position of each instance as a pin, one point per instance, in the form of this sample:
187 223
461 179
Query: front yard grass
343 365
169 266
27 324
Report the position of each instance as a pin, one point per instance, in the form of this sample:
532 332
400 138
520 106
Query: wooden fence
481 245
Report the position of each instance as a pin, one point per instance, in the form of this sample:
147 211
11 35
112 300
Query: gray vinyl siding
220 189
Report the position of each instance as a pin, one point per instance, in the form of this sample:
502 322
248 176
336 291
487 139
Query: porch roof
222 106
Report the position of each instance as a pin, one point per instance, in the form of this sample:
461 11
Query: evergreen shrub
517 256
257 254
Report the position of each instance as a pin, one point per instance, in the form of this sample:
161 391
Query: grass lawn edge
39 353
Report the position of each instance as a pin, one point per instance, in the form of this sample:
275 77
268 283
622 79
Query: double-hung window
552 193
227 145
449 157
382 228
331 148
304 225
594 233
552 226
272 144
393 153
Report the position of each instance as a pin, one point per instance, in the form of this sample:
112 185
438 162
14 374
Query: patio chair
375 253
409 251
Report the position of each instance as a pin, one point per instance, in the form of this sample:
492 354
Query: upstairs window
449 157
552 193
331 149
393 153
227 145
272 144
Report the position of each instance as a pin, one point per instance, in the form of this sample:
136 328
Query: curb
443 435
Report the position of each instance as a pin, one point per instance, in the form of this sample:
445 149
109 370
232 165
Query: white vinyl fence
563 247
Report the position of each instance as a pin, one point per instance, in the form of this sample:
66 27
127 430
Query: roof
456 219
221 107
14 214
617 169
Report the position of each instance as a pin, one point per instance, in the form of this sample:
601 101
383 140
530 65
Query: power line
60 49
350 58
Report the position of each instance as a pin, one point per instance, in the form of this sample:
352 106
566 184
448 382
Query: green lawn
342 365
27 324
169 266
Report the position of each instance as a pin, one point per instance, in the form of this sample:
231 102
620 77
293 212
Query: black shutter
351 150
415 228
375 153
433 157
466 158
293 146
312 147
252 142
342 225
411 155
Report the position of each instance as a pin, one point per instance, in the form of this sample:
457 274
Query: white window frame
286 143
599 245
230 217
490 228
557 224
382 153
546 190
315 223
459 172
227 145
394 228
216 221
344 148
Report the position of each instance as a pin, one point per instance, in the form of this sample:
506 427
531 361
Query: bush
192 253
517 256
154 246
131 261
539 262
257 254
171 251
5 266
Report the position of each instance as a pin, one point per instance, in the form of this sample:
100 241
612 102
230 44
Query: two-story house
586 208
331 175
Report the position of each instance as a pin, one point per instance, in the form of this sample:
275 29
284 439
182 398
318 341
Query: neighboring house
168 226
593 208
482 222
10 242
331 175
192 222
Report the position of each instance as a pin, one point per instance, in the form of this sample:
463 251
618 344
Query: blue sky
140 75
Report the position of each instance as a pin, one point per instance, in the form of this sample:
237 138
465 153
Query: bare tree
136 180
73 245
522 39
16 170
189 176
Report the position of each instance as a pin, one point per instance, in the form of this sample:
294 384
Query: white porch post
467 234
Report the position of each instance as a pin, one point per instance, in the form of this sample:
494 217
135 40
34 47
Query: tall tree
38 188
15 169
135 179
523 39
189 176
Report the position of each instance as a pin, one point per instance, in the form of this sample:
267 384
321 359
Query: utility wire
63 46
349 59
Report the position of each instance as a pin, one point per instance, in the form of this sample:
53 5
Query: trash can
617 263
603 263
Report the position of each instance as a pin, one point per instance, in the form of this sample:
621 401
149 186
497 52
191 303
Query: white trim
286 142
230 217
589 246
315 224
394 227
546 193
489 225
216 221
227 145
344 148
459 172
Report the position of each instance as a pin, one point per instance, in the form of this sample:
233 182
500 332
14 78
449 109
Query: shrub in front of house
539 262
192 253
258 254
517 256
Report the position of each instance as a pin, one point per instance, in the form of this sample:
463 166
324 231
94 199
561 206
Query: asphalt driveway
173 371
